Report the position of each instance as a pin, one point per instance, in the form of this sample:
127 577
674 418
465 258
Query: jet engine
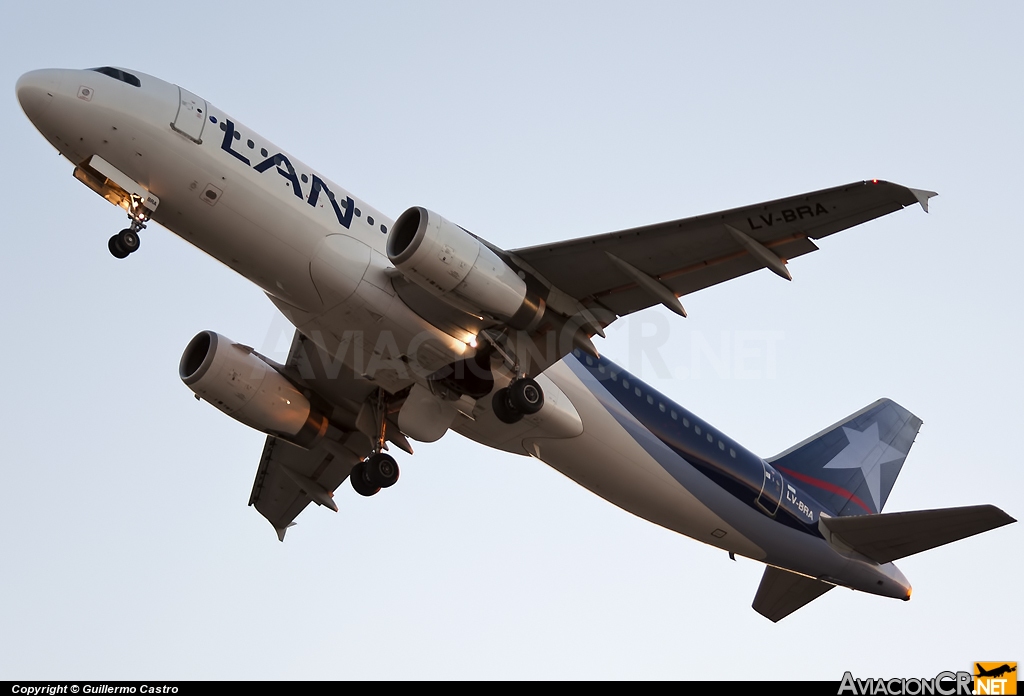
241 384
459 268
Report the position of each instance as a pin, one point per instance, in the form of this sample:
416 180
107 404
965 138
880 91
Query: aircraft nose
36 89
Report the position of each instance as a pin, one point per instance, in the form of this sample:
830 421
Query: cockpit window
119 75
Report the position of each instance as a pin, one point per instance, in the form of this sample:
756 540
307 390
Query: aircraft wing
289 477
683 256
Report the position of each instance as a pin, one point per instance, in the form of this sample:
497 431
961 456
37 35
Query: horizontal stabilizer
781 593
893 535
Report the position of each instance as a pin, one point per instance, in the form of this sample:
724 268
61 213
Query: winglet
922 196
282 530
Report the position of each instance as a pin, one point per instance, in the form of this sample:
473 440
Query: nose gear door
191 117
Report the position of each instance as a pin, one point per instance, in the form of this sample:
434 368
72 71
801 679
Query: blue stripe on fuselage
721 459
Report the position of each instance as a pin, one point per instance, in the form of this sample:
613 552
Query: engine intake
241 384
457 267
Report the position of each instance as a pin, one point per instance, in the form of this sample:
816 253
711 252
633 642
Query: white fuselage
319 254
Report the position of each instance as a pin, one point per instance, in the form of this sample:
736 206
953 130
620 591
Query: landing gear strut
522 397
379 470
127 240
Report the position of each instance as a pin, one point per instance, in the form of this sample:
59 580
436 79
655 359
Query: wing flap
782 592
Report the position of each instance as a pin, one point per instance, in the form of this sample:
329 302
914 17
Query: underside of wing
687 255
290 477
566 292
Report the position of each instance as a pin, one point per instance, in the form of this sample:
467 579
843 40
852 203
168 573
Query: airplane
407 328
995 672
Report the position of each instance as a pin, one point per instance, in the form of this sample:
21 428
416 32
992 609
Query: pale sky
128 549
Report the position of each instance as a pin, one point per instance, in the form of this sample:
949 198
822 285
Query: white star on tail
866 452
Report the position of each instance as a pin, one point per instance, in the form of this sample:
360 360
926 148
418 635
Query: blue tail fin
851 466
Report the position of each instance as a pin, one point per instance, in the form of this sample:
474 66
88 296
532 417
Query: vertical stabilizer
851 466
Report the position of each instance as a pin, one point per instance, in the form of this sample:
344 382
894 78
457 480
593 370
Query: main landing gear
379 470
126 241
523 397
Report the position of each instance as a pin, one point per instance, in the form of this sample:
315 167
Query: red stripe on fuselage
825 485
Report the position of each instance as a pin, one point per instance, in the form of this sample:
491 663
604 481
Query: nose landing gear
126 241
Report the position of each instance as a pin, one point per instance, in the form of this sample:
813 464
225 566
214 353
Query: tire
358 478
115 248
502 409
381 470
129 240
526 396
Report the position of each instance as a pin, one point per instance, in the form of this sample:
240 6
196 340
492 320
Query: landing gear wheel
381 470
359 481
526 396
503 409
116 250
129 240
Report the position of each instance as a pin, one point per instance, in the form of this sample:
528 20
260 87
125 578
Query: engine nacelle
452 264
235 380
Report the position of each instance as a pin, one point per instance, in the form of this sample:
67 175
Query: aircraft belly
625 463
228 232
608 461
